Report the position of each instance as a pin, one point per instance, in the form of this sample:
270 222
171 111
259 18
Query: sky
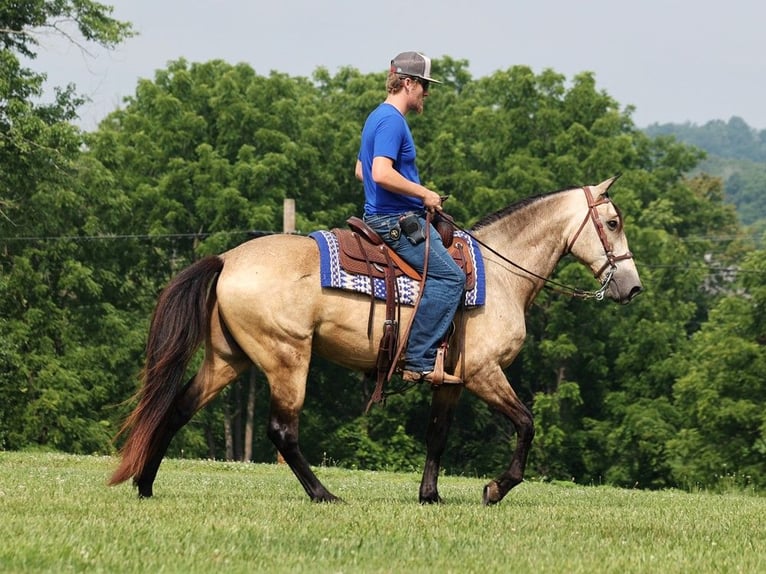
674 61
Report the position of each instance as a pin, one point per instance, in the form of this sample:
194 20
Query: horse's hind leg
443 403
216 371
177 418
283 432
287 383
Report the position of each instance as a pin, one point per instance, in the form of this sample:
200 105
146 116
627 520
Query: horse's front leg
521 417
443 403
496 391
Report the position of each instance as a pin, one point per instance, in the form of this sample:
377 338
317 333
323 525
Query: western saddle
362 251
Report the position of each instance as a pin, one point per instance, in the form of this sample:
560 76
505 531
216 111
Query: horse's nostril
635 291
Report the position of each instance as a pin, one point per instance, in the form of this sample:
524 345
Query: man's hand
432 201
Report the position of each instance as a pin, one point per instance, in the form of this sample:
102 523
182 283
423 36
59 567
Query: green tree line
736 153
665 392
732 139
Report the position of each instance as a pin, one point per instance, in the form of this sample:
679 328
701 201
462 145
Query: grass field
57 515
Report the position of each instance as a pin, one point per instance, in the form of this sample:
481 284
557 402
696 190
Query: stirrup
431 377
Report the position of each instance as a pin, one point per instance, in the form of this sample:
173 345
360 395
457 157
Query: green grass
57 515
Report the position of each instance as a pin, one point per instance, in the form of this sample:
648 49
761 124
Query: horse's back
278 254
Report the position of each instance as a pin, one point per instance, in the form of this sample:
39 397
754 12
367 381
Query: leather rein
611 258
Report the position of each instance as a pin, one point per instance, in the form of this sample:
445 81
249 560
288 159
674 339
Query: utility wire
31 238
259 233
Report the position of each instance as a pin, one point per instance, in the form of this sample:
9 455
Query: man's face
418 92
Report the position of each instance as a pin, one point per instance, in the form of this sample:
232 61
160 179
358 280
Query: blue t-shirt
387 134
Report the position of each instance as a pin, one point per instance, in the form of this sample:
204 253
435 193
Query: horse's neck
533 238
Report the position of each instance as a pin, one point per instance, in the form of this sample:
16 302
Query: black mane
504 212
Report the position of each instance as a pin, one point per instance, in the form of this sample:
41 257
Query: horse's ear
604 186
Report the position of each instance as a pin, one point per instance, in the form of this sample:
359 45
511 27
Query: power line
712 268
30 238
719 238
256 233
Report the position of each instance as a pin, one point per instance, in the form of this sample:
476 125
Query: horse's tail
179 324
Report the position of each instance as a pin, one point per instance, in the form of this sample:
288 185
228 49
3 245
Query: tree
735 153
722 393
60 332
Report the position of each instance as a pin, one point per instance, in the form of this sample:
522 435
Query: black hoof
144 490
491 494
327 498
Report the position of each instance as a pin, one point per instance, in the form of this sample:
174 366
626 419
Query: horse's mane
521 204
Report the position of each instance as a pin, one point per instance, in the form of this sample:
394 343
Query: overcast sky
674 60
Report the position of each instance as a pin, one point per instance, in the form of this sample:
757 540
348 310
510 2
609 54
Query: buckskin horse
262 303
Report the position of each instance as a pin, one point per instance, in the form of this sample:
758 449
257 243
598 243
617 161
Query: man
395 207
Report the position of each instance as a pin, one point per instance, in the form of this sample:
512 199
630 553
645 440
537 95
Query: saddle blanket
333 276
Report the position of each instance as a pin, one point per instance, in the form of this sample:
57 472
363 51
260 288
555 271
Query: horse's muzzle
631 295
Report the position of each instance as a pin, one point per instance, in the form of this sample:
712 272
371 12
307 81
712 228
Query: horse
261 303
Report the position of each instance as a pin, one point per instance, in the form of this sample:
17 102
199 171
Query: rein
593 215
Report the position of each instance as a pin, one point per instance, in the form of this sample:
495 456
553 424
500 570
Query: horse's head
599 242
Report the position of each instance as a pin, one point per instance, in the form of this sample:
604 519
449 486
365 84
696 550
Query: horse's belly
341 334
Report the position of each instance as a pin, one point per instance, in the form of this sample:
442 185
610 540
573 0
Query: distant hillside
736 153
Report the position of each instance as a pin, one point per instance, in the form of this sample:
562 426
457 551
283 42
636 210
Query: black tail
179 324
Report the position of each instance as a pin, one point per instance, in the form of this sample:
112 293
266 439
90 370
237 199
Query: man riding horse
395 207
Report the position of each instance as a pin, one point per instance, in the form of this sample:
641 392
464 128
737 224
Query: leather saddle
363 252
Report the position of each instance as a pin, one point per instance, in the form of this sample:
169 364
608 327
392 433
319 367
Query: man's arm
384 174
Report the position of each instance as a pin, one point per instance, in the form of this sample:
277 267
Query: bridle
611 258
593 215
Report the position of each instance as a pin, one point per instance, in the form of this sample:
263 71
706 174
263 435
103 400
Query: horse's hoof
432 499
144 490
327 499
491 494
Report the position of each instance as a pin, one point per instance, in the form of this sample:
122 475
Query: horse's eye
612 224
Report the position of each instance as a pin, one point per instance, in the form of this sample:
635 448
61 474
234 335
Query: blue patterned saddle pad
334 276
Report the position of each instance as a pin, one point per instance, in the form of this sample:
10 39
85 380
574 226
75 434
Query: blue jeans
444 286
